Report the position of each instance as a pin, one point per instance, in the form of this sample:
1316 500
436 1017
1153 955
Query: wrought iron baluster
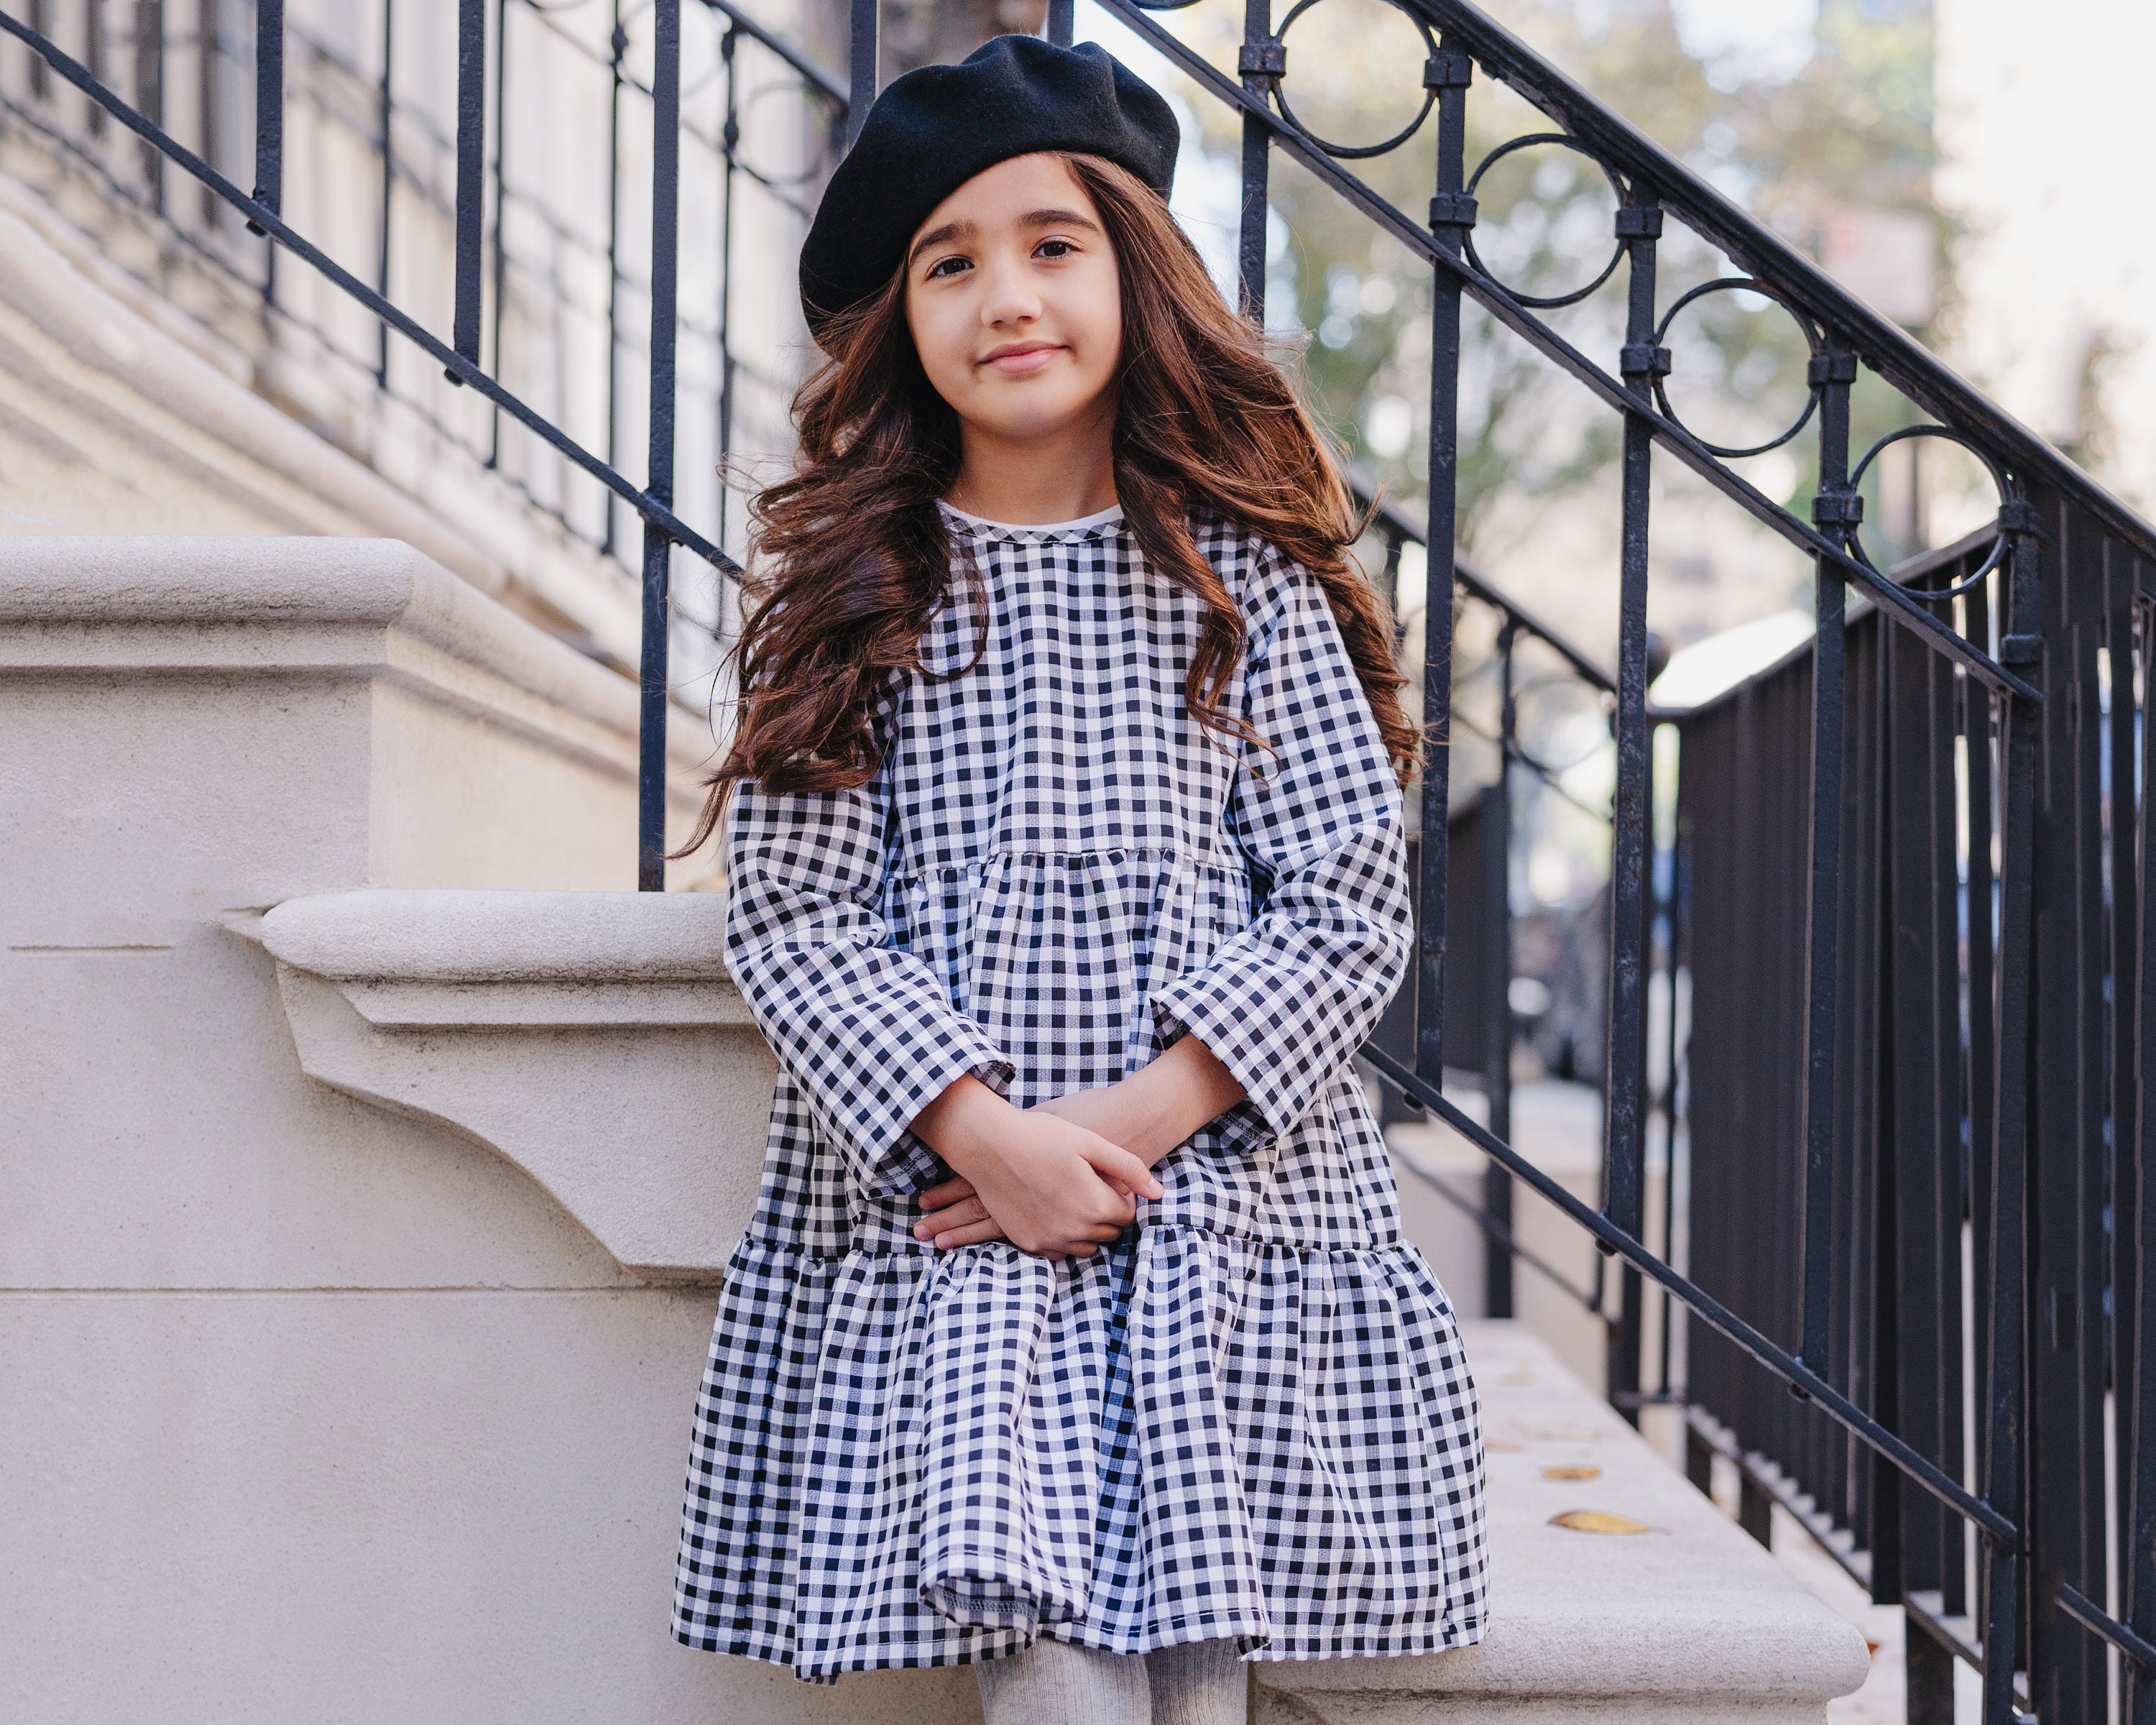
617 43
2128 1172
658 544
1451 215
2065 1435
1261 61
268 127
1835 510
499 254
209 44
861 66
729 168
96 50
1980 1081
385 116
2005 1415
1638 226
471 173
1388 584
1675 908
1920 1156
1497 978
150 89
41 77
2138 1577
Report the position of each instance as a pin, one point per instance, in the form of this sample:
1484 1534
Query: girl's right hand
1042 1181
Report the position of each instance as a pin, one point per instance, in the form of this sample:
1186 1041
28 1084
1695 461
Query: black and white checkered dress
1250 1417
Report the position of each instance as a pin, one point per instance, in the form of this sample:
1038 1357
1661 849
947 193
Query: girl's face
1013 300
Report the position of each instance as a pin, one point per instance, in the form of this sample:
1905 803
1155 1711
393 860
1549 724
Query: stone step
1689 1623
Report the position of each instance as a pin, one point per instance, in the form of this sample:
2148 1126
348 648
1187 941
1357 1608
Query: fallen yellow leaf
1598 1521
1576 1470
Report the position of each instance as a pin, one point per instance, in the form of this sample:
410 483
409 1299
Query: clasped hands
1063 1177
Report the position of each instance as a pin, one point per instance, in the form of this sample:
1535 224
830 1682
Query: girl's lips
1022 364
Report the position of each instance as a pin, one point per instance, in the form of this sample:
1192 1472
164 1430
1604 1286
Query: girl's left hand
1148 1113
953 1214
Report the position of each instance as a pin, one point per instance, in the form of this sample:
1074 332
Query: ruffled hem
905 1458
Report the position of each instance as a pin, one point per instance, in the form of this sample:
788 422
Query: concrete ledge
484 724
419 959
1689 1624
234 603
593 1039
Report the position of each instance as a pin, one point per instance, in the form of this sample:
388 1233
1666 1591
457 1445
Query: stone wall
312 1408
367 1157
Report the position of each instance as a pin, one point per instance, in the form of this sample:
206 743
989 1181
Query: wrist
1145 1113
1181 1089
962 1123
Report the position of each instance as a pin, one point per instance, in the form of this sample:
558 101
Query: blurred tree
1852 126
928 33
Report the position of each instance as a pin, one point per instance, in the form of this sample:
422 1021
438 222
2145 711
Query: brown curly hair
850 555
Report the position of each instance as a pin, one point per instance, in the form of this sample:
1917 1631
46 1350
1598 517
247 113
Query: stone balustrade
368 1167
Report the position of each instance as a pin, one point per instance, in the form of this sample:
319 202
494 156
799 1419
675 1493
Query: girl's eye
947 266
1055 248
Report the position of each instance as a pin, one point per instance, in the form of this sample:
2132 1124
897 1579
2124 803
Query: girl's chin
1030 413
1028 428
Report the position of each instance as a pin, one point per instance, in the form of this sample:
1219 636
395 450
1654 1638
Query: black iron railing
1906 897
1858 1005
1481 1027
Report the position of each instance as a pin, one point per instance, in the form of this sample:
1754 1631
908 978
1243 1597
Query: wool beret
933 128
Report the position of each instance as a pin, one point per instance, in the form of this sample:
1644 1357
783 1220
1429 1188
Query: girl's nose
1010 298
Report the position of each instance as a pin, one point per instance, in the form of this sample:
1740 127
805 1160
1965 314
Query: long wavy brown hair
849 555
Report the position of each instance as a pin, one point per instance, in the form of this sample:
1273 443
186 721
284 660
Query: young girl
1075 1337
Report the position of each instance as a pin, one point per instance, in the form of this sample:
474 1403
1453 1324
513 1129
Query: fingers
971 1234
1119 1168
964 1214
942 1196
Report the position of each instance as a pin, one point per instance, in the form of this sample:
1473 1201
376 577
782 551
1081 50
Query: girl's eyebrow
1031 218
938 236
1058 219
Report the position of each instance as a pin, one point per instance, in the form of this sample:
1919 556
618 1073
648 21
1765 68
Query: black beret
933 128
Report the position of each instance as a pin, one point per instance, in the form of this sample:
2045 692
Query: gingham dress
1249 1418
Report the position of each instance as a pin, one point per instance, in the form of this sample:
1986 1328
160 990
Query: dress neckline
1043 529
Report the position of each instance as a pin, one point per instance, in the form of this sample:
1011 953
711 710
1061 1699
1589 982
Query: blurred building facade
136 301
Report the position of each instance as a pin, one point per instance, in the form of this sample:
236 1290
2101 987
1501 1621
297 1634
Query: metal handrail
1898 356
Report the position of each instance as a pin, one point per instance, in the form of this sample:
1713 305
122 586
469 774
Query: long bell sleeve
1285 1003
867 1031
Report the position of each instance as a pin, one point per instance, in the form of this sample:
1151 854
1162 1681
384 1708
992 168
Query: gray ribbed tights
1056 1683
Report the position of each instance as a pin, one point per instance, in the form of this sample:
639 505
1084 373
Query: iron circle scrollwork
1562 141
2006 496
1355 152
821 159
1736 284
